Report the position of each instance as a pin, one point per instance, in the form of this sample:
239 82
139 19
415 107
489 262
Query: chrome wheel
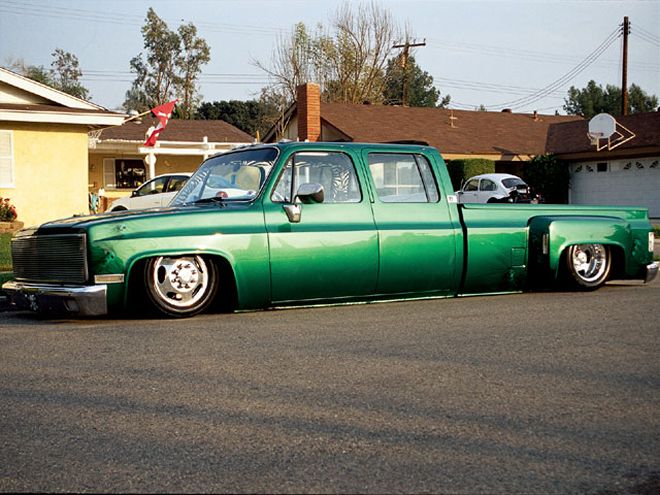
588 265
182 285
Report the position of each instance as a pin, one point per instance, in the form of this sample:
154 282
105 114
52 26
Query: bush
461 170
7 211
549 177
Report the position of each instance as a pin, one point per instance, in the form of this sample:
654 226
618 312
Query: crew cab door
416 235
332 249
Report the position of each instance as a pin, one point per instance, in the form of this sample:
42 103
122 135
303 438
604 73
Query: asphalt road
530 393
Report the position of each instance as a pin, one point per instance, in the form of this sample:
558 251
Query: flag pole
137 116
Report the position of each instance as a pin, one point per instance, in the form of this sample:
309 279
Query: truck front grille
50 258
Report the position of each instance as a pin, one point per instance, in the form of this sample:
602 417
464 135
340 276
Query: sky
523 55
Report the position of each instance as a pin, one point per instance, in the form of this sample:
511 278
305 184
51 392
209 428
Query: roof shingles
217 131
451 131
571 137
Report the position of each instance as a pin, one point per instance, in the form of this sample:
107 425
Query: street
553 392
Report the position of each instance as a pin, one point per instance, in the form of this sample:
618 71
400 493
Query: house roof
25 100
571 137
451 131
36 92
216 131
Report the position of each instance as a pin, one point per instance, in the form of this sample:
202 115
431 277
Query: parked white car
495 188
158 191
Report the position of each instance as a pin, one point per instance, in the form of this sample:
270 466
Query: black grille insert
50 258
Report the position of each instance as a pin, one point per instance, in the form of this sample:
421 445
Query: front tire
180 286
588 265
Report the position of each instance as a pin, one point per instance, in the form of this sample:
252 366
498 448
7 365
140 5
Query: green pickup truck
318 223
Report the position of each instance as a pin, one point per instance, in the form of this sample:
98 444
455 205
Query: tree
155 74
639 101
363 44
347 63
64 75
291 63
39 74
195 53
67 74
549 177
243 114
421 92
593 99
168 69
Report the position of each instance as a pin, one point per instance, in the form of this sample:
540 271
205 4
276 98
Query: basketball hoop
604 126
595 138
94 137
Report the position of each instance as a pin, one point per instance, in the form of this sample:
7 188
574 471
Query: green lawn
5 253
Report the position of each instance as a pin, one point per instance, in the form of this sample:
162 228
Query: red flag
163 114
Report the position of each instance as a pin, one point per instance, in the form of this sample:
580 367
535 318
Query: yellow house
44 148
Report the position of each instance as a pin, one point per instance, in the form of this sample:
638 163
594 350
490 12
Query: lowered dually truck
320 223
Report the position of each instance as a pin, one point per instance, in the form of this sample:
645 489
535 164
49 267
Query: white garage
625 182
623 169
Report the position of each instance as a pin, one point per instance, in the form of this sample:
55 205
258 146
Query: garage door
619 182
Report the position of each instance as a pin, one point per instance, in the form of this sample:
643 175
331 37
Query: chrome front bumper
651 271
80 300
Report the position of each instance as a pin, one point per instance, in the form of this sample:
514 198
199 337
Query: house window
6 159
601 167
123 173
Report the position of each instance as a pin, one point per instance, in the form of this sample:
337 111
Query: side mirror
134 193
292 212
310 192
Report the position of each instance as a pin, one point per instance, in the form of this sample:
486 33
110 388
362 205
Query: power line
490 87
22 8
646 38
645 33
566 77
40 10
535 56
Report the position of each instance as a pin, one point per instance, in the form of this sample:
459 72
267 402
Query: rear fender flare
550 236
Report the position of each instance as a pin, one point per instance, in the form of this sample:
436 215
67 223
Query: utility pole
404 56
624 71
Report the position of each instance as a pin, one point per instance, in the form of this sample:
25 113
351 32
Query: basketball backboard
604 126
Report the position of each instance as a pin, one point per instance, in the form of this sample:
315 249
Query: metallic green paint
360 251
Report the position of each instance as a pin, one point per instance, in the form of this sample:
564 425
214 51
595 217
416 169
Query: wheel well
618 266
226 298
617 260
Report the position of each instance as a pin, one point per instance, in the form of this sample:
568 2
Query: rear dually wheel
588 265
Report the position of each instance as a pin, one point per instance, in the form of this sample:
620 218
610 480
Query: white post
150 160
206 147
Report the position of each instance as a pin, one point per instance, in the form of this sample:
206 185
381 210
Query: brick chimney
308 102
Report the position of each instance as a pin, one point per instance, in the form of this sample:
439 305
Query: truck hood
84 222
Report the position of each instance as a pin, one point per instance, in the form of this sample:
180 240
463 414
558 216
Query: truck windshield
234 176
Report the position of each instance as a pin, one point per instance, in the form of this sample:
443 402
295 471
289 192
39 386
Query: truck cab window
334 171
403 178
